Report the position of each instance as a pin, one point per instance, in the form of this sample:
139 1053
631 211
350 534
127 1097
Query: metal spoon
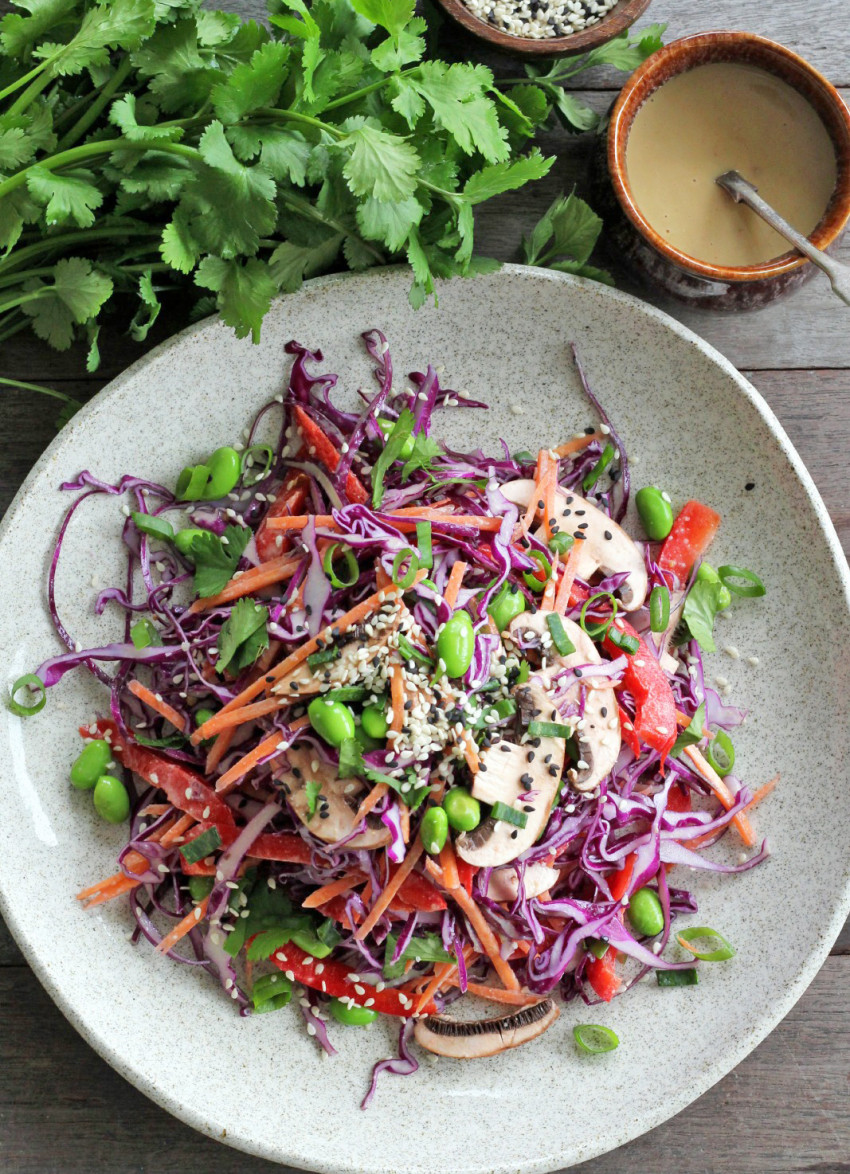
743 192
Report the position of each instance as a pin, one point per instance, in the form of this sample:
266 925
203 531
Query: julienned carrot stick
568 577
107 890
486 937
762 792
328 892
455 579
742 824
371 800
218 749
531 511
175 832
497 995
470 753
547 601
393 886
223 721
276 570
443 971
154 702
550 486
182 927
331 632
404 820
248 761
448 864
397 694
404 520
577 444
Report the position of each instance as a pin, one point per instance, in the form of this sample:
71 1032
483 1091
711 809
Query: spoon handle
743 192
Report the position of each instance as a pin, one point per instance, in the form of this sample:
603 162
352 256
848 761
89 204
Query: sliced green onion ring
599 468
731 577
688 977
152 525
423 541
531 579
720 953
561 542
322 657
721 753
266 455
623 640
559 637
597 630
549 730
507 814
352 570
410 574
192 482
32 682
659 609
594 1038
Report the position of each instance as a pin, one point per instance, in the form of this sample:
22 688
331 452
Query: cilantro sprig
243 636
216 558
145 145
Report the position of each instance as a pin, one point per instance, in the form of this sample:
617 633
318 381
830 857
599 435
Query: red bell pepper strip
327 453
618 882
691 536
603 977
289 499
627 732
678 800
332 978
466 874
418 892
655 719
185 789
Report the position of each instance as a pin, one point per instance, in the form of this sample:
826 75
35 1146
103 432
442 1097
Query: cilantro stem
38 387
22 81
32 296
84 122
88 151
84 237
356 95
305 120
20 322
307 209
453 198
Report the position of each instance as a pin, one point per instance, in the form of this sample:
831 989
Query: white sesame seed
732 652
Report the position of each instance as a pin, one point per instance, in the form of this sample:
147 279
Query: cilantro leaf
505 177
123 114
380 164
406 100
389 221
568 226
312 790
19 33
243 636
575 113
456 95
391 451
265 944
178 247
253 84
216 558
77 293
233 205
245 290
701 606
148 310
402 49
391 15
424 451
23 136
111 24
627 51
70 196
692 732
291 263
283 152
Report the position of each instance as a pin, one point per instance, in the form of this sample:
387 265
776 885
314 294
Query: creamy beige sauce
725 117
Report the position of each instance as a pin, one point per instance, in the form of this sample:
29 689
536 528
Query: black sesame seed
570 500
297 772
750 485
578 534
308 609
584 525
578 673
604 711
530 756
580 513
526 779
528 807
566 513
482 766
408 705
514 834
553 521
589 430
535 742
540 504
553 771
548 759
614 474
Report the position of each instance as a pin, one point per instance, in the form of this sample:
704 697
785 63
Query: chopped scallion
507 814
319 658
559 637
561 542
530 577
594 1038
153 526
595 631
720 953
204 844
347 693
409 652
352 571
261 452
410 574
623 640
659 609
34 684
741 581
549 730
687 977
599 468
423 541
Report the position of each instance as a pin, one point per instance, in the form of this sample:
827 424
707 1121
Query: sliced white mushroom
605 546
504 882
335 805
469 1039
598 731
304 681
507 771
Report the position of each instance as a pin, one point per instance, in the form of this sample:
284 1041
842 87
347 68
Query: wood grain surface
785 1108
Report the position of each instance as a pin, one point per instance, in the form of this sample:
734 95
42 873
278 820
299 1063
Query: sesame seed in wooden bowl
521 26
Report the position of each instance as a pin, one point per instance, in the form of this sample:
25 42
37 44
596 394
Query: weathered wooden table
786 1107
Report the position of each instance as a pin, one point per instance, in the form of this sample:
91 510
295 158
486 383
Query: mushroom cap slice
605 547
504 882
337 803
598 732
469 1039
504 774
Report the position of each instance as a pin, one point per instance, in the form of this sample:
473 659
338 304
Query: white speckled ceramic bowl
693 425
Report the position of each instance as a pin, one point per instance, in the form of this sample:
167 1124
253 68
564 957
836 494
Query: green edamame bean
202 716
645 913
200 887
225 466
374 721
434 830
406 451
332 720
707 574
111 800
462 811
506 605
352 1016
656 513
183 538
90 764
192 482
456 643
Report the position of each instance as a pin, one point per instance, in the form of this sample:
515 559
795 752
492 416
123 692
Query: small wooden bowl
617 21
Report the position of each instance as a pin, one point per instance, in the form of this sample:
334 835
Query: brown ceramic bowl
653 258
617 21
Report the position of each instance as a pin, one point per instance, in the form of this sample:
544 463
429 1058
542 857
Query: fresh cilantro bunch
149 143
564 239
